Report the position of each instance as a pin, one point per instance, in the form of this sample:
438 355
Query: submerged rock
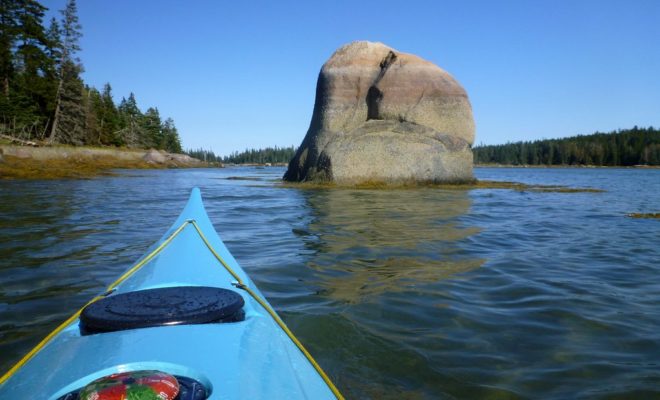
385 116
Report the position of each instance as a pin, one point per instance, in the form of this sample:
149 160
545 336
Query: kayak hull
254 358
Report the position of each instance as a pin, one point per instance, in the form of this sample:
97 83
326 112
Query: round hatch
162 306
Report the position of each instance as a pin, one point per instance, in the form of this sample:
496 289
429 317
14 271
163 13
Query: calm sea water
415 294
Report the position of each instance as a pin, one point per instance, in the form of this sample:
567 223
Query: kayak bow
186 309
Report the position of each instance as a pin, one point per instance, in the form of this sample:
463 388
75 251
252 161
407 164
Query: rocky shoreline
25 162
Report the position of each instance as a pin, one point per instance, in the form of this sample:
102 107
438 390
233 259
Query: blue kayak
185 320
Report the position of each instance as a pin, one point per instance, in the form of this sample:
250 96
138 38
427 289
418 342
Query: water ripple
417 294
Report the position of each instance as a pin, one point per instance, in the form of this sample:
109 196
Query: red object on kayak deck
146 385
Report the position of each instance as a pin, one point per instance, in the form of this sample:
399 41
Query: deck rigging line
241 285
75 316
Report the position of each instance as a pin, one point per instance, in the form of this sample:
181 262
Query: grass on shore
72 168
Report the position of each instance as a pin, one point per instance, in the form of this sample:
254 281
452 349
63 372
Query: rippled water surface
417 293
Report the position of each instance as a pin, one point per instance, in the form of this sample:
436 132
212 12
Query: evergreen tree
93 113
109 119
24 67
621 148
69 118
130 121
54 37
262 156
151 125
9 28
204 155
42 94
69 122
33 62
171 141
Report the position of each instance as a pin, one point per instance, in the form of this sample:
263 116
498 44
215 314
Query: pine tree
130 122
151 124
54 52
42 94
24 66
267 155
69 118
171 141
109 119
34 66
9 27
72 113
93 114
54 36
624 147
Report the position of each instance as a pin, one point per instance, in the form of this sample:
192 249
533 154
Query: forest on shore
629 147
271 155
44 99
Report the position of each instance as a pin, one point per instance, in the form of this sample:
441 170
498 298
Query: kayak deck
254 358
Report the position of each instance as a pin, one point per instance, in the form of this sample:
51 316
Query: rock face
151 156
154 156
385 116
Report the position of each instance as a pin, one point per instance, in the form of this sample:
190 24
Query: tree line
204 155
270 155
636 146
43 97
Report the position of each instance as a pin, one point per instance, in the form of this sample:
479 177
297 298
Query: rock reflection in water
371 242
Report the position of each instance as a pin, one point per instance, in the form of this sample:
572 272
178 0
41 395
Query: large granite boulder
385 116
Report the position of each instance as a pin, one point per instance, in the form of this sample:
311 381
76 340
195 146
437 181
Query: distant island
269 155
629 147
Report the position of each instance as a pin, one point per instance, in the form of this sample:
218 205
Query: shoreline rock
23 162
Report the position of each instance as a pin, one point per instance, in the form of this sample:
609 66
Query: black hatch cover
162 306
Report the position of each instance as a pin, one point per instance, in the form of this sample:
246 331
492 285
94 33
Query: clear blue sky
236 74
